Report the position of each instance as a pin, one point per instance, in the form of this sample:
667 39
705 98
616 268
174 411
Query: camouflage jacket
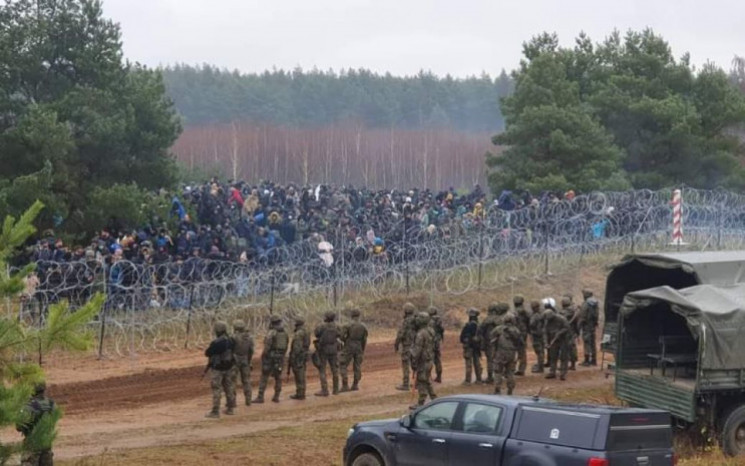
507 338
406 334
555 324
275 343
588 317
300 345
523 320
536 325
243 346
354 336
423 349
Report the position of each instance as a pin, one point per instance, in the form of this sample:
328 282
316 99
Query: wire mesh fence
163 307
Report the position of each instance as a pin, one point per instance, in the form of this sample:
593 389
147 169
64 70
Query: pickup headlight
350 432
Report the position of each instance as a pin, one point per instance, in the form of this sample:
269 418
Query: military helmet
299 321
502 308
586 293
493 308
518 300
535 305
409 309
509 319
473 312
433 311
421 319
275 319
239 325
566 301
355 312
329 316
40 387
220 327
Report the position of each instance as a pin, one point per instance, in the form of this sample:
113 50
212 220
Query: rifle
289 368
206 369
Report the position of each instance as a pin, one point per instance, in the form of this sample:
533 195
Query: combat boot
214 414
275 398
551 375
520 373
586 362
229 411
297 397
438 379
248 401
562 377
322 393
497 391
355 386
344 387
593 362
509 390
466 383
259 399
404 387
573 366
489 380
537 369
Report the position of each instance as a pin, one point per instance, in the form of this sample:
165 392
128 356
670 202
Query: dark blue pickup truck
489 430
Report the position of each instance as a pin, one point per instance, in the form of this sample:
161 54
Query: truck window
436 417
481 418
557 427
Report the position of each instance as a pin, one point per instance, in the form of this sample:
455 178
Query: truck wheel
367 459
733 432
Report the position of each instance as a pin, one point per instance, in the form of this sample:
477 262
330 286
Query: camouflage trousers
473 363
438 360
489 353
298 371
355 358
40 458
222 381
242 372
539 350
271 367
332 360
559 353
424 382
522 356
590 347
572 344
405 365
504 367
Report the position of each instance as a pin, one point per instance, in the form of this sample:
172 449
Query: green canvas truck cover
713 313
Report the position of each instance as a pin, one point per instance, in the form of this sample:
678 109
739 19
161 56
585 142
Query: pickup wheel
367 459
733 432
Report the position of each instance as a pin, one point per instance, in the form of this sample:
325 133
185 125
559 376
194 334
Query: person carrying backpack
273 359
221 362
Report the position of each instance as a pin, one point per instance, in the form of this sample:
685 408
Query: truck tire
368 459
733 432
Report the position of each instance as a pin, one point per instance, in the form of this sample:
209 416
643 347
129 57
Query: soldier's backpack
281 341
328 339
224 361
356 332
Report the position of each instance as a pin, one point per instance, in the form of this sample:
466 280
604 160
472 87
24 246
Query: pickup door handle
391 437
438 440
486 445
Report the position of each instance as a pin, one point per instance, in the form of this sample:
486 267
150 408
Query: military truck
684 351
676 270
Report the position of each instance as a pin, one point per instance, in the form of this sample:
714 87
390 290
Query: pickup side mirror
406 421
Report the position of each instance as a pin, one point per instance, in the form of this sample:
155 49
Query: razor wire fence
171 305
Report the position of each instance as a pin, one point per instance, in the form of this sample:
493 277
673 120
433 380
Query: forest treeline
206 95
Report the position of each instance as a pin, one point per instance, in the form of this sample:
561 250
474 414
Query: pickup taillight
675 459
597 462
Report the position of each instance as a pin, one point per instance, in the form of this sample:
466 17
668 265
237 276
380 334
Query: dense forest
207 95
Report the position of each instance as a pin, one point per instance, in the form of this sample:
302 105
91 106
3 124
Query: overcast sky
460 37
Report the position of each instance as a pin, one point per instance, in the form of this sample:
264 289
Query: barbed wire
169 305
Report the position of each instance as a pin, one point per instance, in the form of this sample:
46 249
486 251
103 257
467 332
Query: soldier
273 359
422 356
354 336
588 323
243 351
38 406
508 341
471 346
404 340
485 327
327 347
536 335
571 314
436 323
299 357
556 329
221 362
522 320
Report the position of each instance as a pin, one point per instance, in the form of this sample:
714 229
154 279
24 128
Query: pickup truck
481 430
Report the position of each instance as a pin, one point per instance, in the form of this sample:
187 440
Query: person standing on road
522 320
327 346
34 411
273 359
588 323
221 362
484 330
508 341
404 340
422 356
436 323
354 337
537 336
243 351
469 339
299 357
571 314
556 329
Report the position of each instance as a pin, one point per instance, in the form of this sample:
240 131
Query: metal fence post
188 316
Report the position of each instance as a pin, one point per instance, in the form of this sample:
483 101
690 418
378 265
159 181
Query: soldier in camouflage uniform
508 341
243 351
221 362
38 407
522 320
354 338
299 357
273 359
571 314
327 347
404 340
536 335
588 323
422 356
556 329
436 323
485 327
471 343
